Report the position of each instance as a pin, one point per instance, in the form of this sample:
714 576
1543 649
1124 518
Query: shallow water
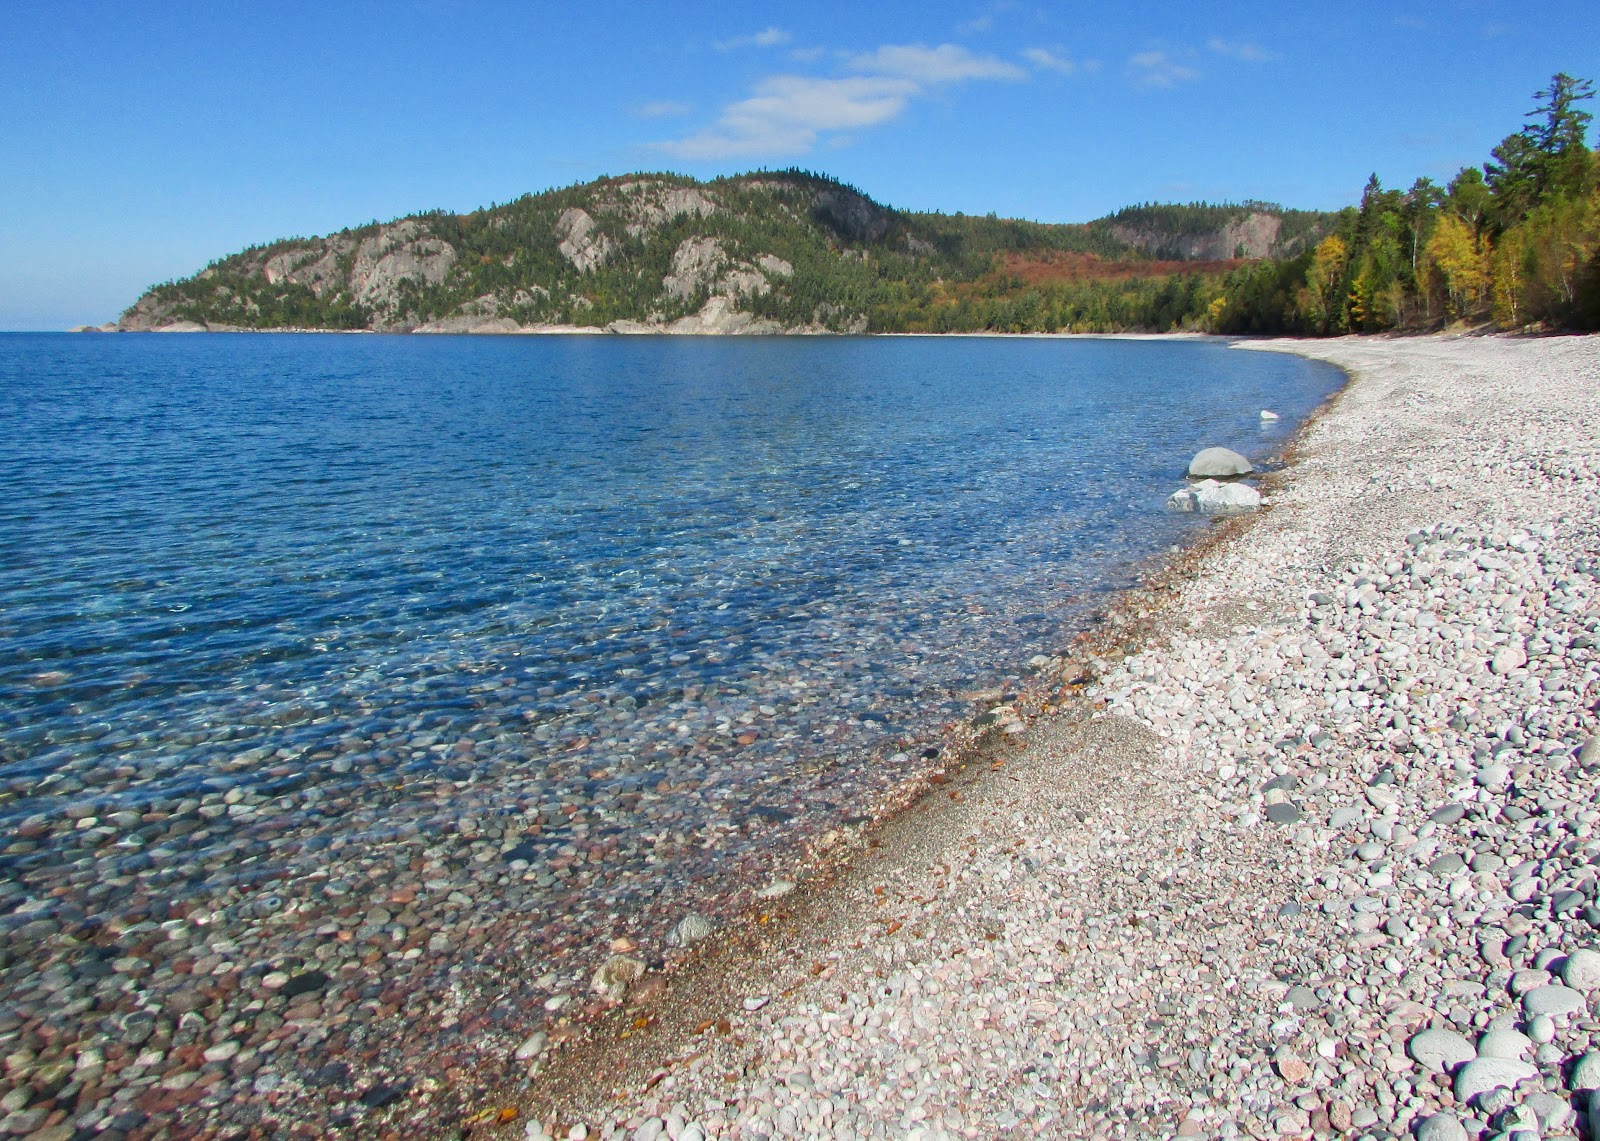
565 627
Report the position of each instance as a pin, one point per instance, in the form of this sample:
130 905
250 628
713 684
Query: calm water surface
561 626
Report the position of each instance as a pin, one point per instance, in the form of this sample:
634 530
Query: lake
411 670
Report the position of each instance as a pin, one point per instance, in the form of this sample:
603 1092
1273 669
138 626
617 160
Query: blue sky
139 141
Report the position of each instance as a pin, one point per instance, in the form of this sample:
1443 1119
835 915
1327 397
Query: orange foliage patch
1058 265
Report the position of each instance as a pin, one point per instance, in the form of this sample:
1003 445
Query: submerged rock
689 930
616 975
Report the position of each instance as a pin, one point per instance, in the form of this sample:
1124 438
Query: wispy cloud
1241 50
766 38
807 55
789 114
662 109
984 21
1159 69
1046 60
947 63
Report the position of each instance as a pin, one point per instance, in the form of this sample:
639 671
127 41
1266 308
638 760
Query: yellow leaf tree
1455 257
1317 300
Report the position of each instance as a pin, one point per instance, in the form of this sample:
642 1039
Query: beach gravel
1120 928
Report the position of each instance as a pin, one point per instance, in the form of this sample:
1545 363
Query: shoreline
930 873
698 990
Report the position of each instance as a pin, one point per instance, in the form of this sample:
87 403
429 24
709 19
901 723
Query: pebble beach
1299 843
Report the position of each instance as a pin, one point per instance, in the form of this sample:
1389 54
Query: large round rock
1441 1050
1441 1127
1219 463
1484 1074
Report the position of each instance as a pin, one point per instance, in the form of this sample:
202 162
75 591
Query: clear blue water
652 607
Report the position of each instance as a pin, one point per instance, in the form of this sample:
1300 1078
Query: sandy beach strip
1307 853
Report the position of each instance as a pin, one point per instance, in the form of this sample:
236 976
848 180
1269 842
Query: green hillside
761 252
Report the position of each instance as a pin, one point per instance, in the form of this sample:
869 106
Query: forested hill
763 252
1514 243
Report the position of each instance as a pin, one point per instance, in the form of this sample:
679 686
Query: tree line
1514 243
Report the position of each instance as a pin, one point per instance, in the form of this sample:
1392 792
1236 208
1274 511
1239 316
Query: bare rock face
695 266
578 242
394 255
649 205
1252 236
774 266
316 267
475 316
720 316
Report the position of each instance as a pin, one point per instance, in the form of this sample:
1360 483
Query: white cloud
1158 69
1046 60
766 38
807 55
947 63
662 109
1242 50
789 114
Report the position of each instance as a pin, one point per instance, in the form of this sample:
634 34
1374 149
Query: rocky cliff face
657 253
686 257
1253 236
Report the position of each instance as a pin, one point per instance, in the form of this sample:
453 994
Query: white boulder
1213 498
1218 463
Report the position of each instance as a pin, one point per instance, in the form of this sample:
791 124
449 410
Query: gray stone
1484 1074
1586 1073
1492 776
1302 998
1448 864
1448 814
1441 1127
1551 1112
1440 1050
1344 817
1285 812
1553 999
1504 1043
1565 902
1581 971
1218 463
1590 753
